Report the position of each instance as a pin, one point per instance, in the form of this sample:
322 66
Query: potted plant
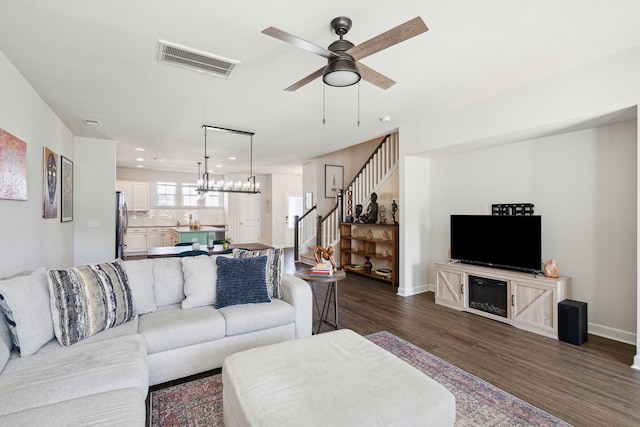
226 241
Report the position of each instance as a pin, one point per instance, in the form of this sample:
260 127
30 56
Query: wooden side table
332 292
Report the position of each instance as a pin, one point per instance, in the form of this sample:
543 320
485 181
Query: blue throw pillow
241 281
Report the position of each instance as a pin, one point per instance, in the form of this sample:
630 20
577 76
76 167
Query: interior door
249 216
293 207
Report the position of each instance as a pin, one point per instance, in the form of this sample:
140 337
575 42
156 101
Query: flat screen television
508 242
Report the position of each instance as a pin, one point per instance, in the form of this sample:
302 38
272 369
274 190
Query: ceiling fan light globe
341 72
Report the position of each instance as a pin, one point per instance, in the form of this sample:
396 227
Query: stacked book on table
383 272
321 270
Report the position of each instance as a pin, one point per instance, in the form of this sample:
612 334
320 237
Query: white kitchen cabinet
137 194
136 240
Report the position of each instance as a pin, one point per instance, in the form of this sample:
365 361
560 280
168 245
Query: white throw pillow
168 281
200 275
26 304
140 274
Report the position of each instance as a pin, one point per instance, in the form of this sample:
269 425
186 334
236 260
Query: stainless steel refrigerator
122 221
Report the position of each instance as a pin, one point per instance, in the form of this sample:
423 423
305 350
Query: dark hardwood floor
588 385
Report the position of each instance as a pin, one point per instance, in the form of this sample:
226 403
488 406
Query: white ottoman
334 379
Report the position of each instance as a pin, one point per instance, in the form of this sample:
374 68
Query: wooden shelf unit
356 247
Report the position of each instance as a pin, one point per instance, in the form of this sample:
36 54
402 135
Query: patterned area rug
478 403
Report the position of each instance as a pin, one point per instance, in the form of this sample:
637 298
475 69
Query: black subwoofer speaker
572 321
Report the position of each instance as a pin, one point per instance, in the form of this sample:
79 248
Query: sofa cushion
168 281
241 281
240 319
25 303
140 274
5 342
275 262
122 407
200 275
172 327
73 372
88 299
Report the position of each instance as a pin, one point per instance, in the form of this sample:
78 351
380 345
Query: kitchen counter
186 229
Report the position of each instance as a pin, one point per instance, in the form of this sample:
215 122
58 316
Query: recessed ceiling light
139 149
140 166
140 159
232 158
218 166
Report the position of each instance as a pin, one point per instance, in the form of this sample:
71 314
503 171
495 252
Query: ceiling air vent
196 60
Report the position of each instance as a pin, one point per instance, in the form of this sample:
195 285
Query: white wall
95 200
282 186
543 107
583 185
28 241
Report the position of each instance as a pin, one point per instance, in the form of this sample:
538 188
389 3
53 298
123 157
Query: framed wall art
50 184
13 167
333 180
66 189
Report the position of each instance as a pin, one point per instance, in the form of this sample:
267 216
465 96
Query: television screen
510 242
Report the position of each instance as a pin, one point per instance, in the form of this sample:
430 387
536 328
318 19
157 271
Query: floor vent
196 60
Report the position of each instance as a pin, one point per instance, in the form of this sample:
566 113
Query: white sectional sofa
172 329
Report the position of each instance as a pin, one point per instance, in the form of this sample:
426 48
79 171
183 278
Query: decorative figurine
369 234
394 209
371 217
358 212
385 235
383 214
327 254
349 217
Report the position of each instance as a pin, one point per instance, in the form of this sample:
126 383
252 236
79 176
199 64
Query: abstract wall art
50 185
13 167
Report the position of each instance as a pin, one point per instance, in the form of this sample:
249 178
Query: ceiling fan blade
389 38
311 77
374 77
298 42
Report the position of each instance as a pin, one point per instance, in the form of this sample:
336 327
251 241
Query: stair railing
374 172
303 231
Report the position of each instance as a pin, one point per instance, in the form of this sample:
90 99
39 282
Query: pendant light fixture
205 184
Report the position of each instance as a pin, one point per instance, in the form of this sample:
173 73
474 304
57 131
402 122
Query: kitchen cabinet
136 240
137 194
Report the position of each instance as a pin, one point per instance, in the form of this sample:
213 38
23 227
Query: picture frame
66 189
333 180
13 167
50 184
308 200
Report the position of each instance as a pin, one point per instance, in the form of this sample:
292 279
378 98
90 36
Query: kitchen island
185 234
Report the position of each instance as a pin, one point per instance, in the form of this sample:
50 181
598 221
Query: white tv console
532 300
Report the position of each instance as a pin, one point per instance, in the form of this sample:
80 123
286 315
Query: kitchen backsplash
170 217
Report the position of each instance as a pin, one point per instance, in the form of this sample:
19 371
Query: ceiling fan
343 67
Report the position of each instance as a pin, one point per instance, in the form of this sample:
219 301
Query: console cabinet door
534 305
450 288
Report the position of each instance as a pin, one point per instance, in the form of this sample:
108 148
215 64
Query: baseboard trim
613 334
404 292
636 362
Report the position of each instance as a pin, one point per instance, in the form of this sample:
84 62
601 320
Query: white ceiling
96 59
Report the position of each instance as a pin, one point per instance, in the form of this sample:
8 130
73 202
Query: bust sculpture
371 216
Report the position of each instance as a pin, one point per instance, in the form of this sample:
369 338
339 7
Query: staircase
376 170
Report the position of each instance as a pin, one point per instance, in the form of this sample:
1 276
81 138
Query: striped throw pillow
88 299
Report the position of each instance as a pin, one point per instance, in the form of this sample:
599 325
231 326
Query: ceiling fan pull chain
324 109
358 104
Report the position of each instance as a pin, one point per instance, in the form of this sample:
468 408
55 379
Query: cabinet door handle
513 300
461 288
